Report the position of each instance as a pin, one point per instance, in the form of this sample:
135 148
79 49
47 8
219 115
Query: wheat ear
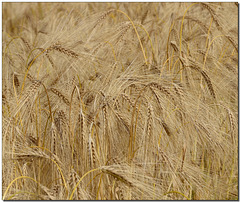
59 94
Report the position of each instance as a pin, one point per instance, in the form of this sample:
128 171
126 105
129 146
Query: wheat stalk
80 193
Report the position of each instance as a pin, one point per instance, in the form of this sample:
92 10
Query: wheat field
120 101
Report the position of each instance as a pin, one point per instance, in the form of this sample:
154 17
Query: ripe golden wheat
120 101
